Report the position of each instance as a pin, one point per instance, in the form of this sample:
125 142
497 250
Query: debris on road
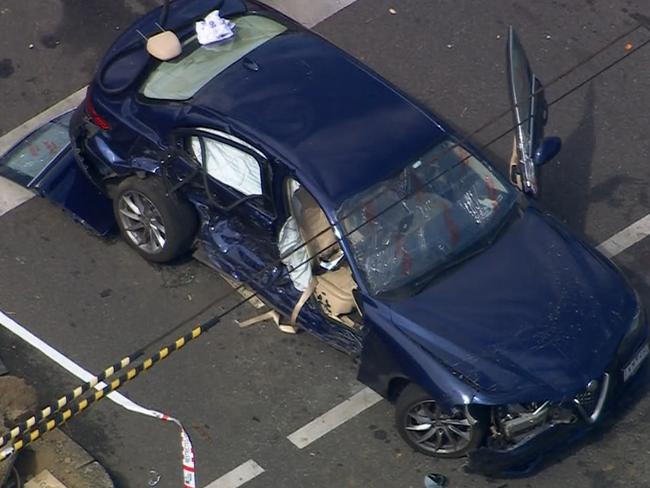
435 480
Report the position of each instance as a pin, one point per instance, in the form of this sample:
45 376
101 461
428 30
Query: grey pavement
241 392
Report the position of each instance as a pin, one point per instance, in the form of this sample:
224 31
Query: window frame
184 37
181 138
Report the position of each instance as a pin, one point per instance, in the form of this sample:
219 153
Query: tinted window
23 163
182 77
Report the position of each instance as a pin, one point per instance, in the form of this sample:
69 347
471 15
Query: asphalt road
241 392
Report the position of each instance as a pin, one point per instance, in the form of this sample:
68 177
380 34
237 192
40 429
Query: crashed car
362 218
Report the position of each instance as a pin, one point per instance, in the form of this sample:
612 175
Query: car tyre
160 227
433 431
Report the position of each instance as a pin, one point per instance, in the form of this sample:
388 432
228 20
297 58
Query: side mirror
547 150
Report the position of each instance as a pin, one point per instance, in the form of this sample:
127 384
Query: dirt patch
17 401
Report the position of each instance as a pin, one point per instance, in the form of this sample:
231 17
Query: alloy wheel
141 221
437 431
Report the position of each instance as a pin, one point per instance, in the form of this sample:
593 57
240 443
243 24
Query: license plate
634 365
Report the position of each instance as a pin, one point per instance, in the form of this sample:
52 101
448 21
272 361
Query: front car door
530 116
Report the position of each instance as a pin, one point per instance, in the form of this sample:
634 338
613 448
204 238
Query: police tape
187 450
66 399
59 417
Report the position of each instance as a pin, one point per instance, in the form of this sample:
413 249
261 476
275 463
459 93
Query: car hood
533 317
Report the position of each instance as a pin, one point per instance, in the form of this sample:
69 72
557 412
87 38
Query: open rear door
43 163
530 115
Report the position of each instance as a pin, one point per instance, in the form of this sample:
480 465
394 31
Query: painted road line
12 195
237 477
329 421
65 362
309 13
627 237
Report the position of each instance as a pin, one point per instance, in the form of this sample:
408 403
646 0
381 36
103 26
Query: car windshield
182 77
432 214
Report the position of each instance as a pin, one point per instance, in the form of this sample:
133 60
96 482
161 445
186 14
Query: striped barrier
65 400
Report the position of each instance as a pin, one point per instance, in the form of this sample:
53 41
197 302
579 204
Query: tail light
95 118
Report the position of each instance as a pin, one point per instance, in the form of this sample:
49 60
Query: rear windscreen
182 77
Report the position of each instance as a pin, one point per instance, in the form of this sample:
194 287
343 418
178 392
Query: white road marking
329 421
238 476
309 13
65 362
12 195
629 236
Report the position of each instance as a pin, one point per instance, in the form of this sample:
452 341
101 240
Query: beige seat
332 289
314 226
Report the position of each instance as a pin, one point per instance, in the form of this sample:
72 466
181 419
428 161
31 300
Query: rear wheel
435 431
160 227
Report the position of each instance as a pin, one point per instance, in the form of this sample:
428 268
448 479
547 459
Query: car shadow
564 182
566 189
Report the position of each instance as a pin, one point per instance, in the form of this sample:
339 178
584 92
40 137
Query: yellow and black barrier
66 399
54 420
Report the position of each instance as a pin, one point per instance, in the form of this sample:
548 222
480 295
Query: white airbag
296 260
229 165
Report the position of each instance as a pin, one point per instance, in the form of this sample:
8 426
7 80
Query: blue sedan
359 216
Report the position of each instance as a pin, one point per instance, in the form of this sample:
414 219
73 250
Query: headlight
634 330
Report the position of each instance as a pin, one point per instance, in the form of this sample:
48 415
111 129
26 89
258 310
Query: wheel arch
390 361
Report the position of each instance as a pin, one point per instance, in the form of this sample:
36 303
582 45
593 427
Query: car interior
331 277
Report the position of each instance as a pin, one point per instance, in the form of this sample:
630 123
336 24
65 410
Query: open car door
530 149
43 163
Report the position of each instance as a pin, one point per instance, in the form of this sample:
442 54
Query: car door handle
250 64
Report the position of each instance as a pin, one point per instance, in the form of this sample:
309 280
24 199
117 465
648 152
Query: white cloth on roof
214 29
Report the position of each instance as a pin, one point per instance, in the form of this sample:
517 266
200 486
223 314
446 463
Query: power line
465 139
46 422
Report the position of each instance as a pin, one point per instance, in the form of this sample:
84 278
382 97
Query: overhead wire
450 149
56 418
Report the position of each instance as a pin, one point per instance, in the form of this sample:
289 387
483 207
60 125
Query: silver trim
593 418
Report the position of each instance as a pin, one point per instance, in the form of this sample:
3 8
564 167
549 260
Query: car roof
336 124
339 126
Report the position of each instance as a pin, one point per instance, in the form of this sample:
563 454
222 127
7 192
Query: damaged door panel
530 111
43 162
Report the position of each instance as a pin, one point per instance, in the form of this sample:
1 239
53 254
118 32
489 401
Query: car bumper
523 457
89 162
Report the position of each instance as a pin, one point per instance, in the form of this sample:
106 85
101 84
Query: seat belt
291 327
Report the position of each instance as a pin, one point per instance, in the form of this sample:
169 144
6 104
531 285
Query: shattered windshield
425 218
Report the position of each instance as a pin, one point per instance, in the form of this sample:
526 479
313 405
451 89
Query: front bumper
524 456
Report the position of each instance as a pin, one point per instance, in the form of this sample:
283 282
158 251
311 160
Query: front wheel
435 431
159 226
